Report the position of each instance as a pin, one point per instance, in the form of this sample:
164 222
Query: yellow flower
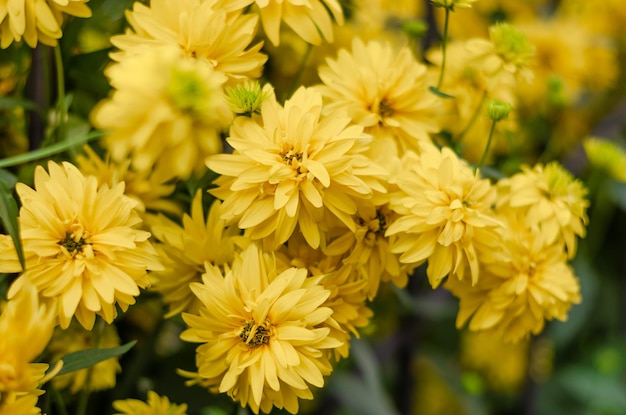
197 28
550 197
296 169
451 4
606 155
260 332
36 20
385 92
155 405
74 338
310 20
26 326
81 246
165 109
445 215
184 251
526 282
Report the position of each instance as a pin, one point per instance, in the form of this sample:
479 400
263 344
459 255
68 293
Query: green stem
484 156
58 400
444 42
472 120
298 76
62 110
83 399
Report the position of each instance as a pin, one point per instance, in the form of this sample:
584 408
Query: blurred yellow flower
155 405
384 91
446 215
551 198
166 109
36 20
606 155
451 4
74 338
81 245
202 29
261 334
185 249
298 168
13 404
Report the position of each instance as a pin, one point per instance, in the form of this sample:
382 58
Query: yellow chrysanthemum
551 198
309 19
36 20
74 338
606 155
155 405
367 249
166 109
445 215
185 249
527 283
261 331
385 92
150 187
296 169
26 326
203 29
81 245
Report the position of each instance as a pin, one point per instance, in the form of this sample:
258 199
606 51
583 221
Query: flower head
298 168
262 332
451 4
165 109
606 155
81 245
36 20
155 405
247 98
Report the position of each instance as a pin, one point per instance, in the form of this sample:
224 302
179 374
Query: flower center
72 244
385 109
255 335
293 159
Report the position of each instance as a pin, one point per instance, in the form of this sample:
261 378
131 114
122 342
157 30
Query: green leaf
87 358
439 93
9 103
617 192
8 216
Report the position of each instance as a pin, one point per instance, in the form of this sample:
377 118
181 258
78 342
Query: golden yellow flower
26 326
606 155
446 215
526 283
185 249
166 109
155 405
384 91
36 20
262 334
81 245
203 29
310 19
294 169
74 338
550 197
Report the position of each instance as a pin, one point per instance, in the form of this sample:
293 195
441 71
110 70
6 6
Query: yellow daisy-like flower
445 215
36 20
310 19
606 155
74 338
297 168
385 92
81 245
165 109
185 249
527 282
26 326
550 197
155 405
261 331
203 29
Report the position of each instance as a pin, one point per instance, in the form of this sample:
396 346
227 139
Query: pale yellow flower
81 245
446 215
36 20
165 109
155 405
262 333
294 169
203 29
185 249
385 91
606 155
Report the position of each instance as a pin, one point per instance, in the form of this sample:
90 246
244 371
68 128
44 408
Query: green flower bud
247 98
498 110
